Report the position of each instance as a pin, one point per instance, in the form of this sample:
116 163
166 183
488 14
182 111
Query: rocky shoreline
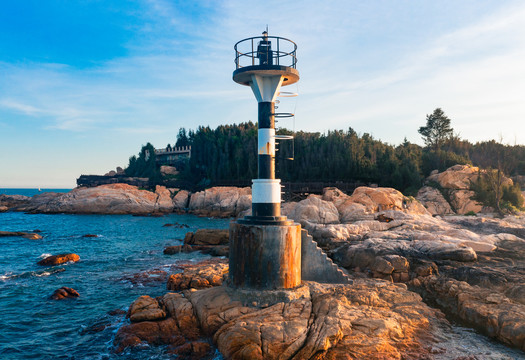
414 262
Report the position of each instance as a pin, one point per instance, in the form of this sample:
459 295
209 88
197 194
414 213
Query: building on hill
172 155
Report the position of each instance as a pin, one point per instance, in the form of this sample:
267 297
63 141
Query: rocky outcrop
220 201
104 199
11 201
198 276
434 201
59 259
370 319
145 309
31 236
181 201
64 293
453 185
491 313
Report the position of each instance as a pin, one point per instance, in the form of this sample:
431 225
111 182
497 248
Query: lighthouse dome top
265 55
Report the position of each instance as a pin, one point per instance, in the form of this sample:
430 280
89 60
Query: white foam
44 255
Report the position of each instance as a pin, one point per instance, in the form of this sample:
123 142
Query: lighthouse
265 248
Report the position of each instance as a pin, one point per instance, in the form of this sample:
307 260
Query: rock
220 201
63 293
145 308
31 236
168 170
315 210
378 199
170 250
90 236
455 182
491 313
367 320
194 350
207 237
3 208
456 177
278 331
181 200
463 202
434 201
59 259
332 194
200 275
12 201
180 308
103 199
164 332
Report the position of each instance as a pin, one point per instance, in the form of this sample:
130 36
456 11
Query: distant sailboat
39 189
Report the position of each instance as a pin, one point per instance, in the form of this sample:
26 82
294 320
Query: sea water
34 327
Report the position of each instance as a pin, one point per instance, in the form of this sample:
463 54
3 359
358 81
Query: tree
437 130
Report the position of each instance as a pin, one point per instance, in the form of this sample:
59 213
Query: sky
84 84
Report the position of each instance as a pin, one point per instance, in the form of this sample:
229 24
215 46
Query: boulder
59 259
181 200
3 208
315 210
31 236
220 201
200 275
64 293
145 308
456 177
164 332
434 201
378 199
171 250
207 237
168 170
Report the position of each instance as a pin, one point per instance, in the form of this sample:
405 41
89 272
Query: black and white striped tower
266 69
265 248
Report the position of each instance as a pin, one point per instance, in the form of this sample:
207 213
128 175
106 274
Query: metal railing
248 52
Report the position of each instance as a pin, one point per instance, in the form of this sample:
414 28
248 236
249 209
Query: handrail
276 55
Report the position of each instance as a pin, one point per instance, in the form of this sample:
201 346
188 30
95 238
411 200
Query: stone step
317 266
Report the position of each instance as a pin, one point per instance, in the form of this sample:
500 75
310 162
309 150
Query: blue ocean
107 278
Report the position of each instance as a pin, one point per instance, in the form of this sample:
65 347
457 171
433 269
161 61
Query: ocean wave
44 255
41 273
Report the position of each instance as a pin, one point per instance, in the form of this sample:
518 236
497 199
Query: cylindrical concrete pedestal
265 257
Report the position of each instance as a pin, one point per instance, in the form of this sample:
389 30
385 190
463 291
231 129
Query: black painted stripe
266 209
266 167
266 117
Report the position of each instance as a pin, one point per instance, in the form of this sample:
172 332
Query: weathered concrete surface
316 266
265 257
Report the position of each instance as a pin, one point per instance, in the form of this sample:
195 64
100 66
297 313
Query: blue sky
83 84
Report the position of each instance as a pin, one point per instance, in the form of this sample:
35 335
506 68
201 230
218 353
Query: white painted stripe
266 191
266 141
265 87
